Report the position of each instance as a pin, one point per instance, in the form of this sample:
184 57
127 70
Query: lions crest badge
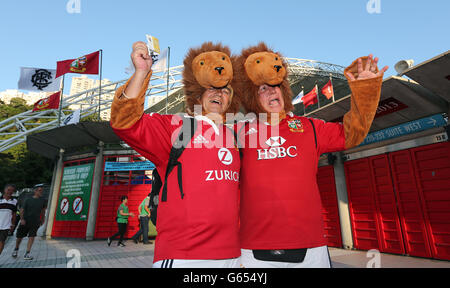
79 65
295 125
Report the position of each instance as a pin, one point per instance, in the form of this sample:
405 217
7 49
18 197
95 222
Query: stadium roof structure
70 138
304 74
433 74
402 100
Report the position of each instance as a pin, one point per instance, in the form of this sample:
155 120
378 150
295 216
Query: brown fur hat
201 71
254 67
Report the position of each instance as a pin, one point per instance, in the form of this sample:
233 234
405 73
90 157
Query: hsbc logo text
276 151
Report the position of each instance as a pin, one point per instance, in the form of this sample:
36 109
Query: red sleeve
330 136
151 136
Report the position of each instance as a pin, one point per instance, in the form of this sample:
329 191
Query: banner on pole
298 99
51 102
73 118
87 64
161 63
328 90
39 79
311 97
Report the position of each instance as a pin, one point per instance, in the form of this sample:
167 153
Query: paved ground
362 259
92 254
96 254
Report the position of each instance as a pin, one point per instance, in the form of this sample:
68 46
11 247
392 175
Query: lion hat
209 66
256 66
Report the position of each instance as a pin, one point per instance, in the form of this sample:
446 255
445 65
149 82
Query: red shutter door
136 195
330 210
115 184
432 168
109 203
388 221
361 204
409 204
69 229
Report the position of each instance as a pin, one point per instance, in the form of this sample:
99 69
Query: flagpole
168 74
332 87
303 103
61 101
100 86
317 92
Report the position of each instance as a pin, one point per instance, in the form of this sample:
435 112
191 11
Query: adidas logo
200 140
251 131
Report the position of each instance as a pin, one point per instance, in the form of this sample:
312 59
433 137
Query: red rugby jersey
205 224
280 200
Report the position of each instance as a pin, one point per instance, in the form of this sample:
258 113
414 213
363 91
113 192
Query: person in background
8 208
144 216
32 216
122 221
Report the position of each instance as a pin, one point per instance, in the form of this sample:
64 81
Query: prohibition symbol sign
64 206
77 205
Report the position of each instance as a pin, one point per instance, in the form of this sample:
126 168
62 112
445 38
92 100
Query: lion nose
278 67
219 69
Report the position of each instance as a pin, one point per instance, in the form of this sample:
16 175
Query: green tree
18 165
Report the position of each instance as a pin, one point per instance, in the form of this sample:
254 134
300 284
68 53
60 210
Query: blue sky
37 33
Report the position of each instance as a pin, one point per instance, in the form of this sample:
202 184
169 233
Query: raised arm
128 104
150 135
365 82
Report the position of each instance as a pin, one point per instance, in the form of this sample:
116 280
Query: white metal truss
304 67
14 130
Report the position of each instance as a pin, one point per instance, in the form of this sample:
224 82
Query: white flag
298 99
161 63
130 69
73 118
37 79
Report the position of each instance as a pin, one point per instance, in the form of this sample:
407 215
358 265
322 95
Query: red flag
328 91
87 64
311 97
51 102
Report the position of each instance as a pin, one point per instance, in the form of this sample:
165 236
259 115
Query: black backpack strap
314 129
187 132
156 187
236 140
